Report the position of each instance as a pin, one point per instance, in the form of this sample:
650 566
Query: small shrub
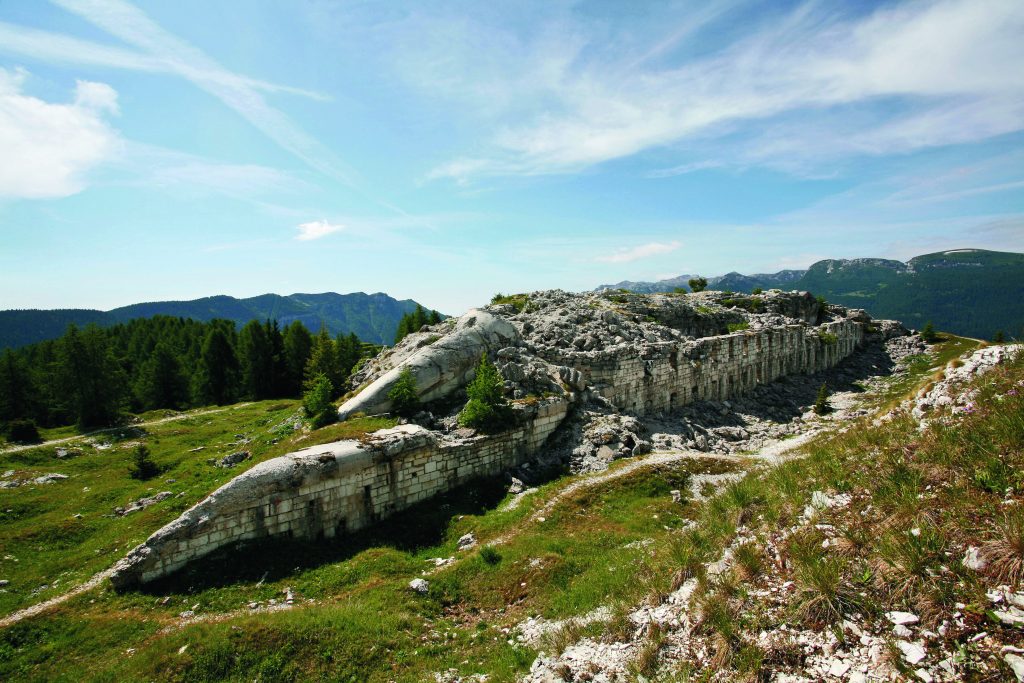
749 561
143 466
1006 550
738 327
928 334
489 555
824 594
317 398
828 339
403 396
698 284
487 409
517 301
22 431
821 403
999 337
757 290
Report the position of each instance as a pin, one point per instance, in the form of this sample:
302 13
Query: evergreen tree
487 408
323 360
349 350
405 400
278 371
217 376
928 333
16 388
256 362
317 401
821 403
89 377
435 317
298 345
698 284
161 382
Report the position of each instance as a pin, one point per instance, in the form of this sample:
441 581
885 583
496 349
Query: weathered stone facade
639 353
668 375
325 491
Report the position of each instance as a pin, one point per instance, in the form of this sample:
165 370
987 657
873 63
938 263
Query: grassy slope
360 622
43 543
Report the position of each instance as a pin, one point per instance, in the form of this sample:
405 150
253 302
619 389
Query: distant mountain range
971 292
373 317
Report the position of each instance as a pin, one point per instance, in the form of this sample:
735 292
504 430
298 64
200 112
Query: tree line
414 320
90 376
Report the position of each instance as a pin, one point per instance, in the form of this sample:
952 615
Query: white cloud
48 148
627 255
314 230
905 77
161 50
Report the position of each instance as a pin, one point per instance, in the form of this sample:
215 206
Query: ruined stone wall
673 374
325 491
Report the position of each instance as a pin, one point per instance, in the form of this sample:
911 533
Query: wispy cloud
627 255
314 230
905 77
161 49
63 49
49 147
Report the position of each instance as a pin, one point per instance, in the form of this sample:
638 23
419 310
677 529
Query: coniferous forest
91 376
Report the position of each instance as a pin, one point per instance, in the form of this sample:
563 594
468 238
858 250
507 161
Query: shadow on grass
420 526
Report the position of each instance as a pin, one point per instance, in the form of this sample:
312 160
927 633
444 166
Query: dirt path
33 610
150 423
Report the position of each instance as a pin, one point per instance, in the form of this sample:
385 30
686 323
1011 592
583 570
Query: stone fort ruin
638 355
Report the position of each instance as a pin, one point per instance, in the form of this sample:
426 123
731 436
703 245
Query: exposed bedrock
633 356
329 490
440 367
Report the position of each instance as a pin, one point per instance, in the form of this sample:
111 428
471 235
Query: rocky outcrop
440 367
612 358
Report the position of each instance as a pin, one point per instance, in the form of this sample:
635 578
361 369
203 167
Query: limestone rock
421 586
441 367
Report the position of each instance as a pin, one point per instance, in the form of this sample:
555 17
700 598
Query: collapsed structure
638 354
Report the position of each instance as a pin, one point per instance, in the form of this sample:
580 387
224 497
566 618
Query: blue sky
447 151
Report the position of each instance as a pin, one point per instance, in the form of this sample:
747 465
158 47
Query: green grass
59 534
365 623
915 497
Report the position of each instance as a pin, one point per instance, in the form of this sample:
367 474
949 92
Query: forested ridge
91 376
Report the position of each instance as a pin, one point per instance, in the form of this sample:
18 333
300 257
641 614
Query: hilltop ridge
974 292
373 317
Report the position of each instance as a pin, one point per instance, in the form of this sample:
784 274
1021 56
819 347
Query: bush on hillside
142 466
487 409
403 396
22 431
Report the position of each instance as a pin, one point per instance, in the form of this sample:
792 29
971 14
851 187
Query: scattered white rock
902 618
420 586
1016 664
467 541
973 559
912 652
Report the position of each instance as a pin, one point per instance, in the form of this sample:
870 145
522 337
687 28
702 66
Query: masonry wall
328 490
670 375
325 491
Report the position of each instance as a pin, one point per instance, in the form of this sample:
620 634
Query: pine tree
323 360
16 388
821 404
403 395
89 377
317 401
161 382
298 345
217 376
256 362
486 408
928 333
698 284
435 317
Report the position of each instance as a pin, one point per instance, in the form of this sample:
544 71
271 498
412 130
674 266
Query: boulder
442 367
